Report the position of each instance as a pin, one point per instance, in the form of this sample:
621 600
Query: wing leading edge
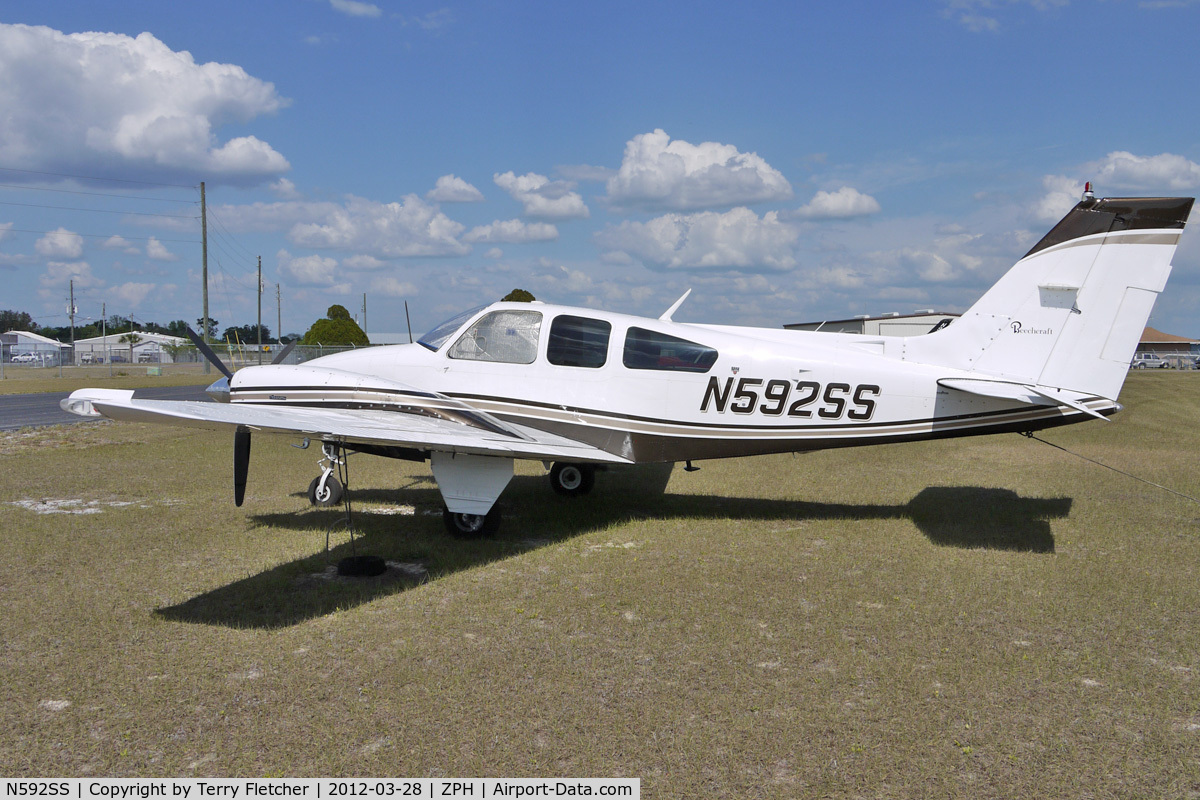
349 426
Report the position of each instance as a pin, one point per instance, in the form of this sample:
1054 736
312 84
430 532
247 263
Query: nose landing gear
326 490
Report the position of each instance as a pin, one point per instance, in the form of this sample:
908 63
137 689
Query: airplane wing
350 426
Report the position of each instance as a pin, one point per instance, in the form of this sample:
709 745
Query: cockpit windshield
438 336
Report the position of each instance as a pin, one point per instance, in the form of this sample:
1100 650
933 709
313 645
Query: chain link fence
21 357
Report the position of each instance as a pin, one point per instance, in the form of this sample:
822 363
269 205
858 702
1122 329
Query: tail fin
1070 313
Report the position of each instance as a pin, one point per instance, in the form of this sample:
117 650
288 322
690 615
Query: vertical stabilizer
1069 314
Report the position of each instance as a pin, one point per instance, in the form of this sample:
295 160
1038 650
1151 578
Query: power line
98 210
233 258
22 187
222 233
94 178
228 235
107 236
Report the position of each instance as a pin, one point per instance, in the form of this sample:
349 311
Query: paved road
29 410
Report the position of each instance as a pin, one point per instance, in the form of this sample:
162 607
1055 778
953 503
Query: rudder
1070 313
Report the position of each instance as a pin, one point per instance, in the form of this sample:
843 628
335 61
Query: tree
177 328
118 323
247 334
16 321
211 333
519 296
131 339
336 329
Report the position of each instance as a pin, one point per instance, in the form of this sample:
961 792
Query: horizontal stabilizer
1021 392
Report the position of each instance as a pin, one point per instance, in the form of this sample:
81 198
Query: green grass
982 617
27 380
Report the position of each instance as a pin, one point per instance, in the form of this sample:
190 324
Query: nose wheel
326 490
572 480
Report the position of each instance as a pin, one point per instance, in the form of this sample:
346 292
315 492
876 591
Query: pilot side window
578 342
653 350
508 337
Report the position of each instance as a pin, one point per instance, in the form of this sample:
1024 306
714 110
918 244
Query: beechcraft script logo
1018 328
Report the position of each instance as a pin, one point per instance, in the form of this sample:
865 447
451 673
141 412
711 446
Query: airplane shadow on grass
417 548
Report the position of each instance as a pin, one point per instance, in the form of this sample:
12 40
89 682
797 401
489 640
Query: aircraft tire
471 526
361 566
330 497
572 480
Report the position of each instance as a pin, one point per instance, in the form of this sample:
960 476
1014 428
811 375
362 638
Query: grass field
20 379
985 617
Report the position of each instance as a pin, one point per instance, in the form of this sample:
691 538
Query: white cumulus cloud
512 231
411 227
60 243
311 270
844 203
393 287
59 273
453 189
157 251
1062 193
107 101
734 240
131 295
543 197
116 242
354 8
1165 172
659 174
285 189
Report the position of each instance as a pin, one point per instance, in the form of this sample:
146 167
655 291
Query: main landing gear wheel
572 480
471 526
324 496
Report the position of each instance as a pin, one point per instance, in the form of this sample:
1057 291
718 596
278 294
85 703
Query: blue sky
786 161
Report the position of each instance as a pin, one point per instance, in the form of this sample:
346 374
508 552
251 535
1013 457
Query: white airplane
1047 345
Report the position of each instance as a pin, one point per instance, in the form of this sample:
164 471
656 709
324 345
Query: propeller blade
284 353
208 352
241 464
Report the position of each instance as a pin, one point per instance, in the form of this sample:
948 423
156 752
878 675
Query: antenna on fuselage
667 316
409 321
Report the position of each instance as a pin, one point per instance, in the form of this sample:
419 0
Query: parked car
1149 361
25 358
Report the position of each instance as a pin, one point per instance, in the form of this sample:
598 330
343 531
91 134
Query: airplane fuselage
653 390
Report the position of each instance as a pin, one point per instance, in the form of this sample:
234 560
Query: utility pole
204 267
278 316
71 310
364 312
104 335
260 288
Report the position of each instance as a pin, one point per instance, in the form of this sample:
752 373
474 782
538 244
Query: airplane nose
219 390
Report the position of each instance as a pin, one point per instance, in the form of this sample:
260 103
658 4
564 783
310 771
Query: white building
149 348
33 348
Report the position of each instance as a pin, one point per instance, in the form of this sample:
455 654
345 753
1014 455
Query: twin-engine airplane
1049 344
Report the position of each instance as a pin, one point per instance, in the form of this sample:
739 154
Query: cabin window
508 337
578 342
438 336
653 350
